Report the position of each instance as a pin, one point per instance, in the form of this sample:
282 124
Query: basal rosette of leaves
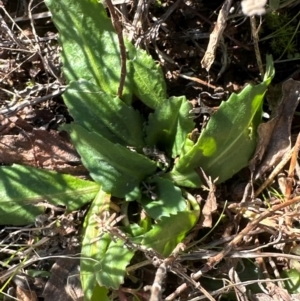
111 137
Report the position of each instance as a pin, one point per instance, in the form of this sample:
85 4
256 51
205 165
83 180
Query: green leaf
23 187
148 80
293 282
187 146
110 271
93 249
118 169
133 229
169 125
169 231
169 199
103 261
270 71
99 293
90 44
228 142
274 4
101 113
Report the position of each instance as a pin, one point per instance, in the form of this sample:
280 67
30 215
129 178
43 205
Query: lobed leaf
148 80
22 188
103 261
101 113
169 199
110 271
169 125
229 140
118 169
169 231
93 249
90 44
99 293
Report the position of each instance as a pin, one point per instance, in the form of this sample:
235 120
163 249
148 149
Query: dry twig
290 177
37 45
255 37
251 225
216 35
274 173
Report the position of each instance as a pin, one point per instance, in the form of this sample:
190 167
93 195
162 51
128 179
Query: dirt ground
176 34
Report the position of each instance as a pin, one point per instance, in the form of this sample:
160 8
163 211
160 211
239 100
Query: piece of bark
275 135
64 283
210 205
261 297
40 148
24 295
240 289
26 288
216 35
